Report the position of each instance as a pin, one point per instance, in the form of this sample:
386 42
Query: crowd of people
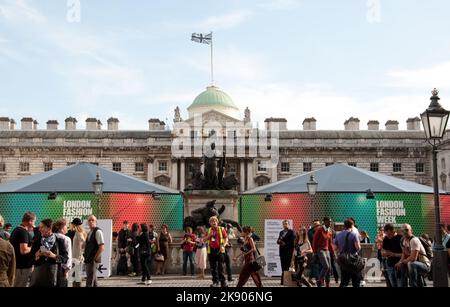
314 254
45 256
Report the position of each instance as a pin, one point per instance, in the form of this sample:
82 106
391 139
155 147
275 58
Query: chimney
351 124
12 124
154 124
162 125
391 125
35 125
27 123
279 124
4 123
52 125
91 124
309 123
413 124
99 125
373 125
71 123
113 124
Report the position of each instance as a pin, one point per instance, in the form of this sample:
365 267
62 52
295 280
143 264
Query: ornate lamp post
312 190
434 121
98 190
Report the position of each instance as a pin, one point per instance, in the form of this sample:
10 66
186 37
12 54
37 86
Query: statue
213 175
247 115
210 169
201 216
177 117
221 172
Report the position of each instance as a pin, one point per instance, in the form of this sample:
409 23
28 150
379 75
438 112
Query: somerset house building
27 148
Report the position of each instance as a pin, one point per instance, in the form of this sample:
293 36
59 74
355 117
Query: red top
214 242
322 240
189 247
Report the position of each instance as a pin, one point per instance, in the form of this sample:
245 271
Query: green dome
213 97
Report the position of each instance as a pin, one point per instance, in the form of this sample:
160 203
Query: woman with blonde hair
78 245
302 252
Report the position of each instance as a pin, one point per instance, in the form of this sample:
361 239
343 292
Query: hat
76 221
315 224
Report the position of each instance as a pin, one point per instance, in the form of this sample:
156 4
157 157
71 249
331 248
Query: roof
343 178
213 97
79 178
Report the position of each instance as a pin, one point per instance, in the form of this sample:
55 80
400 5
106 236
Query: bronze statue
200 217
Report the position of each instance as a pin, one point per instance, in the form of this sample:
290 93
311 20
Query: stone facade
170 157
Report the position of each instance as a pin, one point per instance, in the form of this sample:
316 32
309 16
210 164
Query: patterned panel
396 208
139 208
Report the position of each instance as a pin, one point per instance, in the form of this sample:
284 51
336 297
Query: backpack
427 247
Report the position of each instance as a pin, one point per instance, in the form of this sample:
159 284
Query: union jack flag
202 38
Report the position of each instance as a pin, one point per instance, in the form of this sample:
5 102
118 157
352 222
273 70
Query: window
162 166
117 166
420 168
374 167
285 167
94 163
329 163
2 167
70 163
232 168
48 166
262 166
24 167
138 167
231 134
397 167
443 163
307 166
352 164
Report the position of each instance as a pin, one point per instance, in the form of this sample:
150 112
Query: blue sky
283 58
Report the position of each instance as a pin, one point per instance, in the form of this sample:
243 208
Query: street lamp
434 121
98 190
312 190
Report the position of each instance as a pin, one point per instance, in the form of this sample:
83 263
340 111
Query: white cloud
225 21
19 11
423 78
330 108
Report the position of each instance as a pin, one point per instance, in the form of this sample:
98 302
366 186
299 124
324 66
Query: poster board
271 248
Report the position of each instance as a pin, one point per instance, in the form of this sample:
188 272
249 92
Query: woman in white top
78 244
302 251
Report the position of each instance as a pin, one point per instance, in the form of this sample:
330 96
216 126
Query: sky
134 60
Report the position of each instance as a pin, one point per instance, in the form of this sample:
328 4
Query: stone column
182 175
174 175
242 175
250 181
274 173
150 174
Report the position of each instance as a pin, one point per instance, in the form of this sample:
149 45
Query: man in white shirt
414 257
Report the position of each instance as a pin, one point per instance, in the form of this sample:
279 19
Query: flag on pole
202 38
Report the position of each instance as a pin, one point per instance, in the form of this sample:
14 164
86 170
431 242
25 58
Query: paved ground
183 281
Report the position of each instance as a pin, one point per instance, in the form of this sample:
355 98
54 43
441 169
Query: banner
271 248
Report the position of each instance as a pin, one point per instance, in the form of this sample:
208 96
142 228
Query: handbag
159 257
259 262
352 263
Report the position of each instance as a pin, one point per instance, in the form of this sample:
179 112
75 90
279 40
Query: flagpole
212 61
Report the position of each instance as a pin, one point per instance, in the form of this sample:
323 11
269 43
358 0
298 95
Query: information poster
271 248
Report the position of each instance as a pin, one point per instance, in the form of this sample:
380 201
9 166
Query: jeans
91 274
416 271
190 256
216 259
325 261
22 276
146 266
346 276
